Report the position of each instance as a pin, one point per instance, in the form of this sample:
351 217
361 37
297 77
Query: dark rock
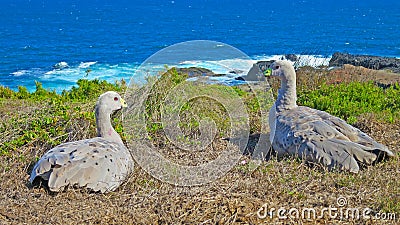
256 73
240 78
291 57
367 61
196 72
264 65
236 71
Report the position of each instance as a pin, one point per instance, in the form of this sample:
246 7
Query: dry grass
233 199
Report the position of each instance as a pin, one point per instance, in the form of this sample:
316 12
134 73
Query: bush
51 118
350 100
91 89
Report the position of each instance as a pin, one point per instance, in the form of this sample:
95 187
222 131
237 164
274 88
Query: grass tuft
32 123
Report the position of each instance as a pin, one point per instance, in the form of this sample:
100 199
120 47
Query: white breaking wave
84 65
61 65
19 73
312 60
242 66
302 60
27 72
226 66
65 78
100 71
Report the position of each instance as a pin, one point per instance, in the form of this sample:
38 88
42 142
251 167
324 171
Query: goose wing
318 136
96 163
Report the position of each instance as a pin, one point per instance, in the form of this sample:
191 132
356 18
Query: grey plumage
316 135
100 163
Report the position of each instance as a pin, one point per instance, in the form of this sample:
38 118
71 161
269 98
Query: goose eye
115 98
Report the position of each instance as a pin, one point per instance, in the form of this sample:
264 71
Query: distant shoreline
64 78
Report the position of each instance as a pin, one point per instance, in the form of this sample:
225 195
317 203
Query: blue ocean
56 42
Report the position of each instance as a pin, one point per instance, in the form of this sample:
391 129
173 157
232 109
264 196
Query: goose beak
268 72
123 103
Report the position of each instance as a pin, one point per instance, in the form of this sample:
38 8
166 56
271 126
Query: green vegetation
211 102
43 118
84 91
49 118
32 123
390 205
350 100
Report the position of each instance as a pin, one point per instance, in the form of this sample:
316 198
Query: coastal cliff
367 61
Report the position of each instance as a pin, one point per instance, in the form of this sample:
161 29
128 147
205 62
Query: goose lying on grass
100 164
316 135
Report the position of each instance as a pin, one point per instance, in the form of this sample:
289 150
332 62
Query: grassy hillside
32 123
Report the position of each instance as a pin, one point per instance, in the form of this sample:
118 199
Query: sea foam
65 78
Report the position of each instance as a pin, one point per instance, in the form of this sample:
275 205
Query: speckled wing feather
96 163
320 137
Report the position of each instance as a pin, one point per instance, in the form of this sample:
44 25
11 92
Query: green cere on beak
268 72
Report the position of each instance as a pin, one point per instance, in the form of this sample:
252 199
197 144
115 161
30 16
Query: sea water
57 42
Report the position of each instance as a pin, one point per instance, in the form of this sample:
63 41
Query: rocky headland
371 62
